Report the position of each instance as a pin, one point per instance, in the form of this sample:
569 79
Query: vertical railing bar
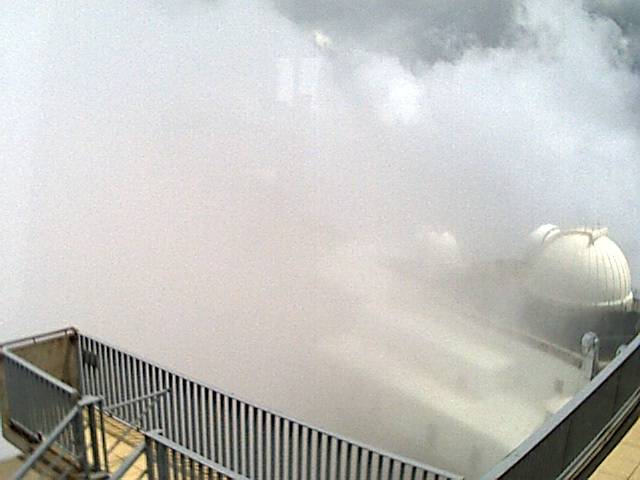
175 463
145 385
227 433
195 442
124 375
188 415
324 454
176 409
243 436
117 377
91 413
131 381
175 422
234 435
219 457
286 450
304 452
106 374
268 454
139 391
148 387
104 437
154 416
276 447
118 392
348 461
295 450
99 369
183 466
168 425
85 373
260 443
208 420
93 369
129 384
252 441
204 430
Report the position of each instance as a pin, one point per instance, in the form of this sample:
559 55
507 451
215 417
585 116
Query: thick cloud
626 14
414 30
195 173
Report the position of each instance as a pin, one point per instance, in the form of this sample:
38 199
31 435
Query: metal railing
38 402
72 422
554 447
168 460
44 447
52 414
40 338
233 434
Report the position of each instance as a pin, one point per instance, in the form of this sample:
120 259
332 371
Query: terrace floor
623 463
118 451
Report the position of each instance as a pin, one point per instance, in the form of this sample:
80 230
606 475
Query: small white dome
538 237
437 247
579 268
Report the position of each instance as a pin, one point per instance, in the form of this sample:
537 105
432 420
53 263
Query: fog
221 186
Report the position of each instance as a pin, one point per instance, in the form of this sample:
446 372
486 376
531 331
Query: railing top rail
72 392
428 468
633 348
63 332
156 437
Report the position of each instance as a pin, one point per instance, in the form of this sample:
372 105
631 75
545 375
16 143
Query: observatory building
578 280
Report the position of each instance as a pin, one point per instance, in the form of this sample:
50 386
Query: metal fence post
79 441
94 436
103 434
148 453
162 460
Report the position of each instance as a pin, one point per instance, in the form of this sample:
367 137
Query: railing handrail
156 437
72 392
537 437
126 403
62 332
44 446
338 437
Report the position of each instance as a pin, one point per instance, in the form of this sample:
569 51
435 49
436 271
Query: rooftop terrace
80 408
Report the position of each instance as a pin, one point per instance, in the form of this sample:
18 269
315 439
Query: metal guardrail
30 340
223 430
166 459
46 445
38 402
74 420
552 448
48 411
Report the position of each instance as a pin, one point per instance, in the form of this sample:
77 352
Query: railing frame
227 431
42 406
562 438
37 401
125 381
162 454
70 418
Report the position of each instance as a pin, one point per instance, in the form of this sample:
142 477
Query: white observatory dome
437 247
581 268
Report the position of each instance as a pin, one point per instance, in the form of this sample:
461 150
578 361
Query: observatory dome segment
581 268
